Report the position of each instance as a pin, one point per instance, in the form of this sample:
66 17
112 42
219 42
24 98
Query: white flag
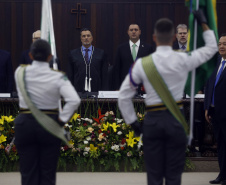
47 31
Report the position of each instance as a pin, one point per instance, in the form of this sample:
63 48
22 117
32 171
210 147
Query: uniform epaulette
179 50
24 65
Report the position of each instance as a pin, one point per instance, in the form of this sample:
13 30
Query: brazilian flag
204 71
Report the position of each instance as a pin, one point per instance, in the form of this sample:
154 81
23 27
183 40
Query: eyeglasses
36 38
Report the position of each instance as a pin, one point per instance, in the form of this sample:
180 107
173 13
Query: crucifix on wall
78 11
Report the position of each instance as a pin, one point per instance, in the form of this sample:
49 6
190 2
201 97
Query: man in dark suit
182 37
25 58
215 104
6 72
127 53
87 68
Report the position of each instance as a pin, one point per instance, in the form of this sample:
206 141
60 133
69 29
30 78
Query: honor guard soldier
164 137
39 127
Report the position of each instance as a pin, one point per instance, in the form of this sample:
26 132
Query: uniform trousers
164 142
38 151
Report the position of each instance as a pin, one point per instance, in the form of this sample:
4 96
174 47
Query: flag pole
52 36
193 81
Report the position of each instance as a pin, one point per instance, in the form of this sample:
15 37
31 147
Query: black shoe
216 181
223 182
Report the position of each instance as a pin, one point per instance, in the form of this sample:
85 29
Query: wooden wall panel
108 20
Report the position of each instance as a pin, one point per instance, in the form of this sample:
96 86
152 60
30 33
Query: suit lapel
80 56
223 72
140 50
128 50
93 56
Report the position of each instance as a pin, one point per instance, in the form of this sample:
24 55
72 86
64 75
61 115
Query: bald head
36 35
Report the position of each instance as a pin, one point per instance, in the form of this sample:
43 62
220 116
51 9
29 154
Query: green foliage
189 166
100 143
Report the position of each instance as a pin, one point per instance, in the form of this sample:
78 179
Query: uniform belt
46 111
159 107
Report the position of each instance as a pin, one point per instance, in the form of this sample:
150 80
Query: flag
47 30
205 70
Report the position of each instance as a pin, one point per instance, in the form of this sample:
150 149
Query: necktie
134 53
217 78
87 56
183 47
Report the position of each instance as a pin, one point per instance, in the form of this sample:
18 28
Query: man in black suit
87 68
127 53
215 104
25 58
182 37
6 72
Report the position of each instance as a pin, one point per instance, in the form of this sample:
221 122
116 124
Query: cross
79 13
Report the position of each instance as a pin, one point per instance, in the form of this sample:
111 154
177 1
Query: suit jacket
98 70
25 59
6 72
176 45
124 60
219 98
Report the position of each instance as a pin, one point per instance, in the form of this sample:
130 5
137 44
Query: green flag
204 71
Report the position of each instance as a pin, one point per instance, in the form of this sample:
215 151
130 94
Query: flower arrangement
97 144
7 159
102 144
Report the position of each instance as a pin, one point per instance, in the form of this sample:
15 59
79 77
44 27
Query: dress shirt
89 52
137 45
173 67
221 65
45 88
180 45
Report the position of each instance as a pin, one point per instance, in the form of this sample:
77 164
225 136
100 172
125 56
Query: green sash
162 90
44 120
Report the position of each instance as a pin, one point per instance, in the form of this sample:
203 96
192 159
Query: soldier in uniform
37 148
164 137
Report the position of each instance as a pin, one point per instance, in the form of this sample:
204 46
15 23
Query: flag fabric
47 30
47 33
204 71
